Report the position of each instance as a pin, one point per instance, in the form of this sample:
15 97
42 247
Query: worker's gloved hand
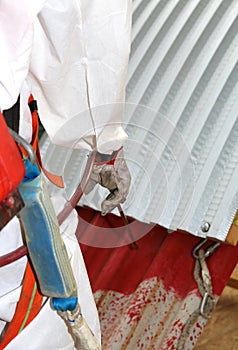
110 171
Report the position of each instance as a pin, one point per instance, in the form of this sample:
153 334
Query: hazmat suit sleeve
16 35
78 71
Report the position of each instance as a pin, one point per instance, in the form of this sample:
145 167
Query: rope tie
204 282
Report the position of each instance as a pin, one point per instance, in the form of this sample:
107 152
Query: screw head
205 227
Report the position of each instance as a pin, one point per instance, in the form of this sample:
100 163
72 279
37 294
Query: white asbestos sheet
181 118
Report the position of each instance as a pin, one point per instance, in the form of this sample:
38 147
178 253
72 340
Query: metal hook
198 246
27 146
209 250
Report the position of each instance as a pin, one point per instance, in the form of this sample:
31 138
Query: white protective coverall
73 56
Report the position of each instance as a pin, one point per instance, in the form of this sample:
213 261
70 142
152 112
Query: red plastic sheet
145 295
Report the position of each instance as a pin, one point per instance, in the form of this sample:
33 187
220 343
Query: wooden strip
233 281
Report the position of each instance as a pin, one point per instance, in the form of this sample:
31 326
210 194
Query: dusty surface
221 332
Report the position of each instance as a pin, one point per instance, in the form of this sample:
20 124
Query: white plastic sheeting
181 118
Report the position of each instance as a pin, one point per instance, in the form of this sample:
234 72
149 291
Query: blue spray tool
45 245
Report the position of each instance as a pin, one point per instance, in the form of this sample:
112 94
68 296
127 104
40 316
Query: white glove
110 171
